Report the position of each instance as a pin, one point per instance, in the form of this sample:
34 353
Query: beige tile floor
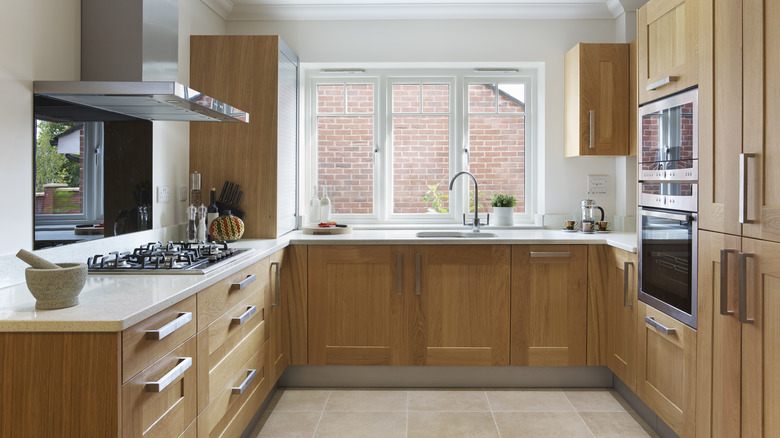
431 413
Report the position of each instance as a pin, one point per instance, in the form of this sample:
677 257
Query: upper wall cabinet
667 47
258 74
596 100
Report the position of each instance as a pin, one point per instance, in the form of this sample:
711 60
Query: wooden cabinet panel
140 349
666 369
599 264
549 299
288 318
667 44
596 95
462 311
356 305
171 410
622 302
225 345
216 299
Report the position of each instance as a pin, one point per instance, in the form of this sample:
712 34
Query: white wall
563 180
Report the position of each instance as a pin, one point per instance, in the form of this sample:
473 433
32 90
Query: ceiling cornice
431 10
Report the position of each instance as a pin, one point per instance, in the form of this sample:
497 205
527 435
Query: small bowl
56 288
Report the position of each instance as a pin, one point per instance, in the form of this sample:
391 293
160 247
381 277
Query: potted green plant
503 208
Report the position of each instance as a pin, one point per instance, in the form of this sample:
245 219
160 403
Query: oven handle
672 216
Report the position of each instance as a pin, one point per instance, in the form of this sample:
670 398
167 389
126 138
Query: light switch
163 194
597 184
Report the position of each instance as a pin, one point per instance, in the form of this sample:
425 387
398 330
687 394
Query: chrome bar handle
660 327
250 310
724 281
250 376
542 254
278 288
626 301
743 188
184 364
399 266
592 128
244 283
167 329
417 269
742 260
660 83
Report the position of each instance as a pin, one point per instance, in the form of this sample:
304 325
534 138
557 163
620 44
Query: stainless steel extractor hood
129 69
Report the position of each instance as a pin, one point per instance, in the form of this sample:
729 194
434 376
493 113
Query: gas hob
170 258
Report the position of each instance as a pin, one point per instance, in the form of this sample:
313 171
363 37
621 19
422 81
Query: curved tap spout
476 223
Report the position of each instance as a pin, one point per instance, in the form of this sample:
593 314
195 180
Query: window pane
511 98
436 98
497 157
59 168
420 164
360 98
406 98
330 99
345 154
482 98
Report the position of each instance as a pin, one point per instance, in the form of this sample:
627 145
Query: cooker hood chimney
129 69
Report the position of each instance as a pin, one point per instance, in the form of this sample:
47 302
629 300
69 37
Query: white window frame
383 76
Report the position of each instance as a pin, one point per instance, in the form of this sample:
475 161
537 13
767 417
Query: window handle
468 155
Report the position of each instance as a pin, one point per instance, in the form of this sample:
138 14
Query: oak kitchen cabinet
596 100
667 44
258 74
409 305
286 306
549 299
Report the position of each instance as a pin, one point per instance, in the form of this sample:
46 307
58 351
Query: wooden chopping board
314 229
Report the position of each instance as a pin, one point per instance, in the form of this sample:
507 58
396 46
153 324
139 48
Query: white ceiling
235 10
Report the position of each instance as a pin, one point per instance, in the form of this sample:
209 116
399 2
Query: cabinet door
596 99
720 117
718 337
761 134
760 334
666 369
356 305
549 297
622 298
461 312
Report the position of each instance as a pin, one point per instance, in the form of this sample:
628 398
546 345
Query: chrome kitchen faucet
476 223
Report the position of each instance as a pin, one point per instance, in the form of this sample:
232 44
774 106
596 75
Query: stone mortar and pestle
54 286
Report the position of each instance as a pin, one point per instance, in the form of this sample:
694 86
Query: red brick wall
421 143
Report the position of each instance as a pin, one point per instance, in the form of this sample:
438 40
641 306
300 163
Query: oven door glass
669 147
667 263
673 196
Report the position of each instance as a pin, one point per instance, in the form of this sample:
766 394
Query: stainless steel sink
456 234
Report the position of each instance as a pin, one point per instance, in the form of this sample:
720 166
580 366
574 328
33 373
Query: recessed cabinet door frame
622 301
461 312
357 297
549 305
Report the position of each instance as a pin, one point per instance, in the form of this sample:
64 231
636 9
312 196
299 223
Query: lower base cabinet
666 369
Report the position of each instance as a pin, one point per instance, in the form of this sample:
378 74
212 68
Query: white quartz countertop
110 303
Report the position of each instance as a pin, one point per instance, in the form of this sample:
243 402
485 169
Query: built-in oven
668 205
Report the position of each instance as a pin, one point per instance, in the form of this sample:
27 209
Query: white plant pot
503 216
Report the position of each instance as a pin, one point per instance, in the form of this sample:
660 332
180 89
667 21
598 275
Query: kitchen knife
238 200
233 195
222 193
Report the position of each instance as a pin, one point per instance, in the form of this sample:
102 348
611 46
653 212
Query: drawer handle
743 188
167 329
724 281
278 287
245 282
250 310
399 281
660 327
660 83
743 304
592 128
538 254
250 376
626 301
184 364
417 270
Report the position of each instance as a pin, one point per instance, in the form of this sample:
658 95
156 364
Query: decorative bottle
212 212
324 205
314 206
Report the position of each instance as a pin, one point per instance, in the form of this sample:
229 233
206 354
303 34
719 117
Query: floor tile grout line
322 414
492 414
578 413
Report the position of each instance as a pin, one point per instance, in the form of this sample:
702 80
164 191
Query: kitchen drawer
167 412
225 345
218 298
229 413
150 339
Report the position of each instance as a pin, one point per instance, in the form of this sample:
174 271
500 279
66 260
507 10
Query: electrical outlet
182 193
163 194
597 184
